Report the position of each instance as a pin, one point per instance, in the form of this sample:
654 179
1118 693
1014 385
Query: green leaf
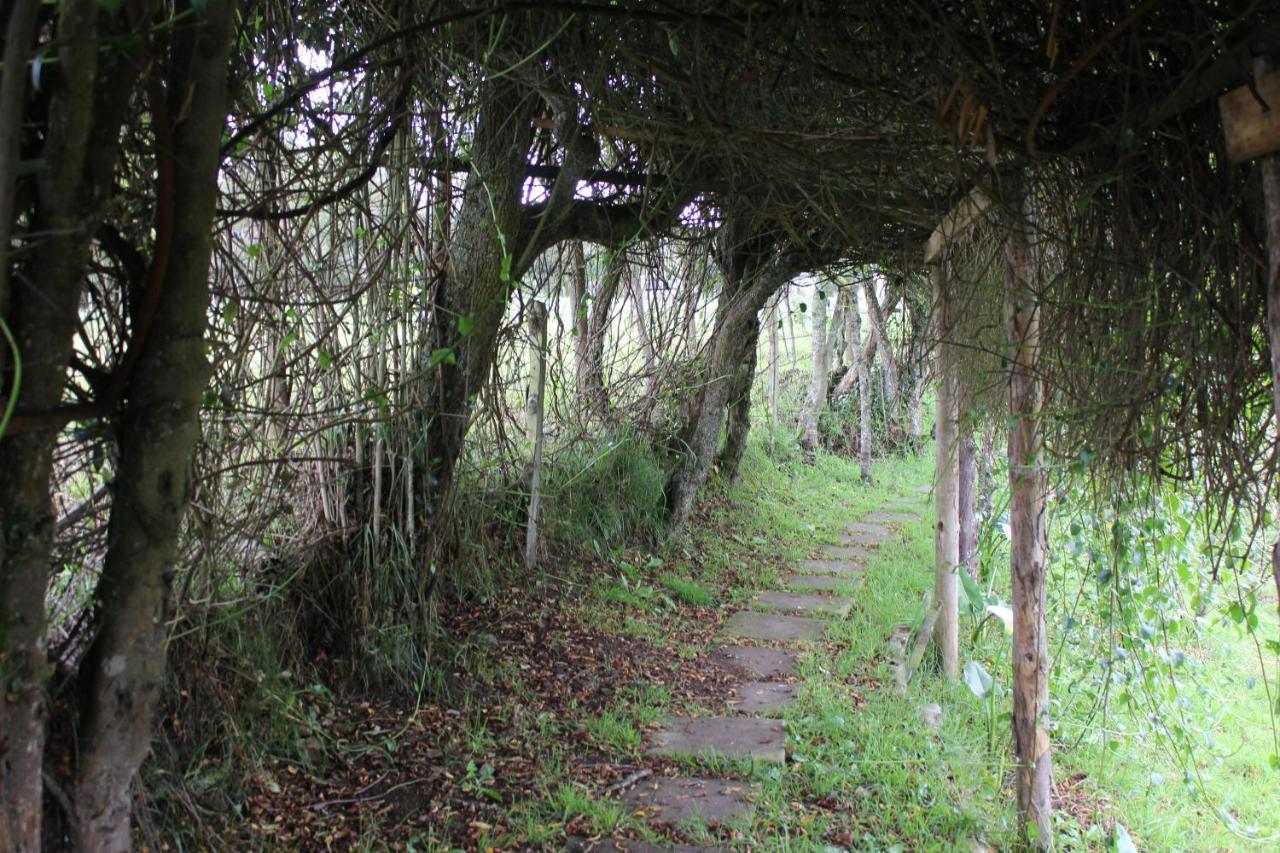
324 359
1121 842
978 679
977 603
444 355
466 325
253 250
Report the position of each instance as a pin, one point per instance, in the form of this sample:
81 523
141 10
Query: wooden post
773 373
1269 165
1034 778
533 422
946 540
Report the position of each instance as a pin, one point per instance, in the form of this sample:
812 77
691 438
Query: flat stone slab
773 627
819 605
864 527
762 663
690 799
646 847
925 489
892 517
847 552
722 737
763 697
825 582
831 567
862 538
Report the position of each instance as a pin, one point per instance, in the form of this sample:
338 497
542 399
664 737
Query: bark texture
123 671
1034 774
739 416
482 270
41 315
817 398
753 271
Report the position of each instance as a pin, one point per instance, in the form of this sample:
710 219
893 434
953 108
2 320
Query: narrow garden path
764 644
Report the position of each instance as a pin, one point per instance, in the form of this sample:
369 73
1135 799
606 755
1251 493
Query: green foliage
604 494
688 591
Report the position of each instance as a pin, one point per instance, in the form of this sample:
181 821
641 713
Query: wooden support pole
1269 165
534 424
946 528
773 372
1034 774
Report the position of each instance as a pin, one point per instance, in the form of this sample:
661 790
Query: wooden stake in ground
1026 522
773 372
533 422
946 528
1270 167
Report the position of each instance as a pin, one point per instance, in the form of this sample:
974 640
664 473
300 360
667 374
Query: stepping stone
845 552
689 799
823 582
831 567
873 529
763 697
819 605
761 662
892 517
925 489
864 539
773 627
722 737
609 845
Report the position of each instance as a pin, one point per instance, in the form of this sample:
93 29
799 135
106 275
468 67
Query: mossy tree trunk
753 271
123 672
86 103
739 416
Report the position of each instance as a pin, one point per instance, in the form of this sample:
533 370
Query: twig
628 781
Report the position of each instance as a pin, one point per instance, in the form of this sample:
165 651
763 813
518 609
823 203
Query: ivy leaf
443 355
466 325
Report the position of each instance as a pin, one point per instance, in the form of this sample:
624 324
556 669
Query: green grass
690 592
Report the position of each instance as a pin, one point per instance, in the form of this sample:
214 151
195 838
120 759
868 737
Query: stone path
764 643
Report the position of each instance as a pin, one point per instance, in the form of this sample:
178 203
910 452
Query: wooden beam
956 224
1251 118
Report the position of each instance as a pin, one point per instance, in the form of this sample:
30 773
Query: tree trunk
818 381
749 281
864 396
739 423
123 671
946 532
80 145
472 295
591 322
1034 775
